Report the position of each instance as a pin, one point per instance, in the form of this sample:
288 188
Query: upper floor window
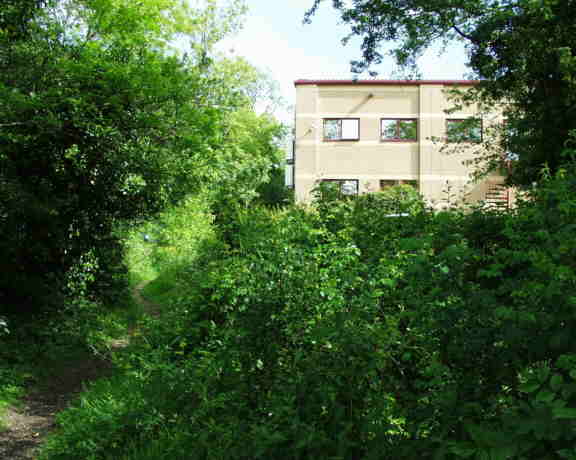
464 130
399 130
341 129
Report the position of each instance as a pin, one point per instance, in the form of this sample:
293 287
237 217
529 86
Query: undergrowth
341 332
36 351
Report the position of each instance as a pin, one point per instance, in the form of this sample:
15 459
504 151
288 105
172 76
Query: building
371 134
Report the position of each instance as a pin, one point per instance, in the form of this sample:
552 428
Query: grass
162 288
19 365
122 317
138 260
11 392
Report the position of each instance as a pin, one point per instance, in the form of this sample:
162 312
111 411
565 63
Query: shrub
431 336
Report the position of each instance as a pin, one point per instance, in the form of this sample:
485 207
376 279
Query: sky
275 40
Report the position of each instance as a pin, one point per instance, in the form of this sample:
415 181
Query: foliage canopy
102 125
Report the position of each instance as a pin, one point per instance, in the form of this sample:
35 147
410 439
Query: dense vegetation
104 125
340 332
354 328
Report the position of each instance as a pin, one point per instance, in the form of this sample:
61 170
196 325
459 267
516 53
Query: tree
102 125
258 90
523 52
157 23
94 137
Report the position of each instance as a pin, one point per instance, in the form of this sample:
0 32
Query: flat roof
386 82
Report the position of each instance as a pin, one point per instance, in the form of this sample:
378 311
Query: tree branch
463 35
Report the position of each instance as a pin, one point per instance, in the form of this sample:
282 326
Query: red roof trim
386 82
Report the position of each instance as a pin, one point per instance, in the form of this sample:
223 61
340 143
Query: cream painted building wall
370 160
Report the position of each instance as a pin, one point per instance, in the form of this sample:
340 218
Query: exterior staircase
497 196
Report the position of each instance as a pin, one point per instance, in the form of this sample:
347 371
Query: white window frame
347 129
343 184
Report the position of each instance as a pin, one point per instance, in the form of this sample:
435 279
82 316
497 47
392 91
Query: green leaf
545 396
564 413
556 382
529 387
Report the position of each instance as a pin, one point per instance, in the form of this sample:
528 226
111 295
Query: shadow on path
23 429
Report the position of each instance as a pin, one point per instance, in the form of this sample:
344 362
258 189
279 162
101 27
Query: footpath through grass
46 364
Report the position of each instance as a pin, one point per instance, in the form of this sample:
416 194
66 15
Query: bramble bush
429 336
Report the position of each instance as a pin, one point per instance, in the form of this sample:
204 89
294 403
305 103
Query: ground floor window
386 183
347 186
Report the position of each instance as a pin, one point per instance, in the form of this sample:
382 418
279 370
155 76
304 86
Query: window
290 153
347 186
464 130
399 130
289 176
341 129
386 183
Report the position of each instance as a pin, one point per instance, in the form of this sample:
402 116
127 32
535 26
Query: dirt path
28 426
148 307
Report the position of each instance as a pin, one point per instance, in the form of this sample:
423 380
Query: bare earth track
28 426
23 429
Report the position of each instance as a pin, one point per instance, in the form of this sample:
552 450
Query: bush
430 336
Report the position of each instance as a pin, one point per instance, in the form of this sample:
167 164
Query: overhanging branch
463 35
